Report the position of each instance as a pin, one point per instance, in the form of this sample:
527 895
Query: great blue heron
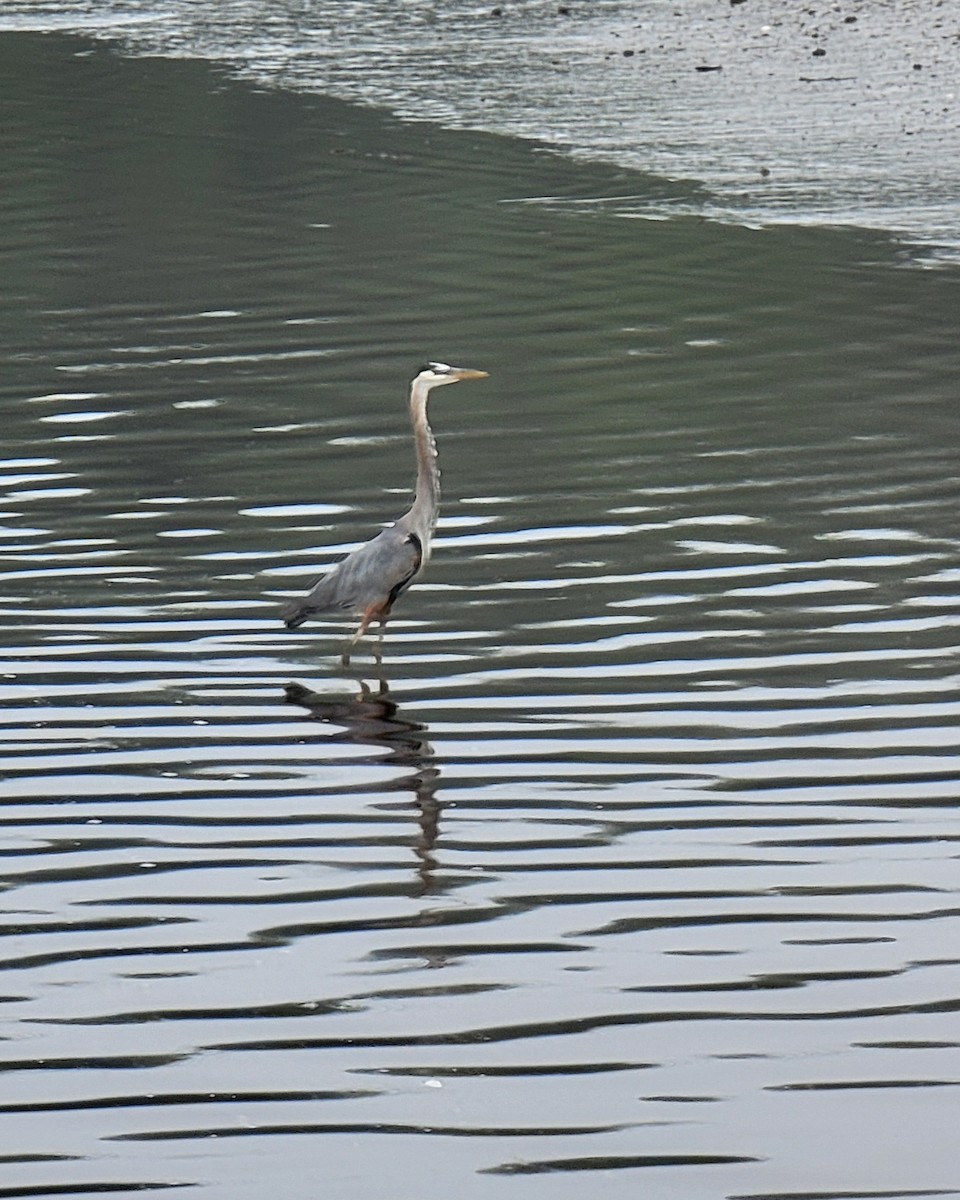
368 581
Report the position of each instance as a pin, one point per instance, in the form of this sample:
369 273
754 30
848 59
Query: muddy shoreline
839 114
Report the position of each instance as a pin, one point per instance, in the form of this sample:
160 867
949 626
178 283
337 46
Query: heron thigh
373 612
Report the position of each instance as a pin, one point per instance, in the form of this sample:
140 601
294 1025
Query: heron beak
465 373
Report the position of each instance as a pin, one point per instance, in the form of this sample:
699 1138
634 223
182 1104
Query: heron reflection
372 718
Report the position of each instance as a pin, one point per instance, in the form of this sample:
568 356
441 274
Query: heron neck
427 498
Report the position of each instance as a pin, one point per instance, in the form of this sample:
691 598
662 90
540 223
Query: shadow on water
372 718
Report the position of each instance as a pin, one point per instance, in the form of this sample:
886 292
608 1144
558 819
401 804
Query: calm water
637 871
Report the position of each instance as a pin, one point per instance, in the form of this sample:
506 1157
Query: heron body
367 583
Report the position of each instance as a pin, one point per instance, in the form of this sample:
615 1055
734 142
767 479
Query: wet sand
825 114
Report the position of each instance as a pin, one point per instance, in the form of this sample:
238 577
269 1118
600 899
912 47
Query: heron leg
345 656
378 645
370 614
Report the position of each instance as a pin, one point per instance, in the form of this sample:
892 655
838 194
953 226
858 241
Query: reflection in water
373 719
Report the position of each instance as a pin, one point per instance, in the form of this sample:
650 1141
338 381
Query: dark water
641 874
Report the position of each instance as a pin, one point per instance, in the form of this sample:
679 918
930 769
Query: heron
368 582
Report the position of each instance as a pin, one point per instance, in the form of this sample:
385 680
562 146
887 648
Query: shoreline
841 117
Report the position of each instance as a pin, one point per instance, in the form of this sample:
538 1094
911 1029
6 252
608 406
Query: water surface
637 868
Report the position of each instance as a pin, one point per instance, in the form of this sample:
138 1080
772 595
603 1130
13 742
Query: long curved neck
426 502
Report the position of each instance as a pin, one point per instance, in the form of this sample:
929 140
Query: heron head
435 374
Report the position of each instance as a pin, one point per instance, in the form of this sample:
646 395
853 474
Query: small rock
819 52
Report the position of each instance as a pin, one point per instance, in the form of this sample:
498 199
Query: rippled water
637 869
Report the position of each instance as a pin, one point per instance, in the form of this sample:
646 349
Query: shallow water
637 870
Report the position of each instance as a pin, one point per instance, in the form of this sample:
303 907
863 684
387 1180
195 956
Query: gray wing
373 575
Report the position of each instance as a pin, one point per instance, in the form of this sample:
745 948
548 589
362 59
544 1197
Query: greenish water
642 873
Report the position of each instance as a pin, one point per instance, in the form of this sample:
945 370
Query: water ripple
639 853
